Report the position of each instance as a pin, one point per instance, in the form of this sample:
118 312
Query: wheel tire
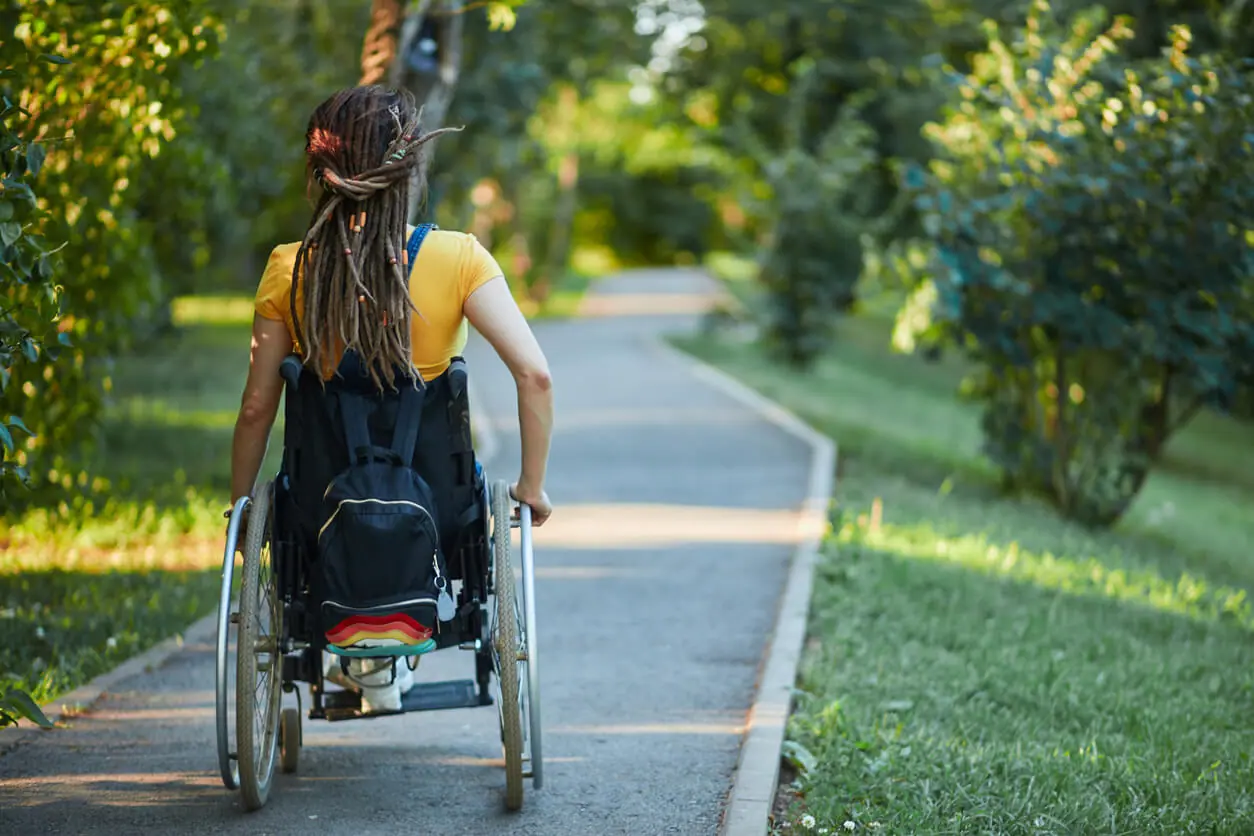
505 646
258 745
289 740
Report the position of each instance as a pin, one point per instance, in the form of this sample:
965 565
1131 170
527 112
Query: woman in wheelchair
354 288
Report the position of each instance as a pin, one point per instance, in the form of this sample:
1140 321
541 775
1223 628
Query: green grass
135 555
978 665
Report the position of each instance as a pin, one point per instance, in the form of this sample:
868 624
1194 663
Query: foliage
106 111
799 97
1093 251
136 557
529 109
30 300
814 257
16 704
253 99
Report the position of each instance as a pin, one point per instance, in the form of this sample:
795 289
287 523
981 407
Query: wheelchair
271 616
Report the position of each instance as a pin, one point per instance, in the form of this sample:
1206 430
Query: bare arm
259 403
493 312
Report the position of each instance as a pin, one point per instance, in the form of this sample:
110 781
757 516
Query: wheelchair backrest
315 450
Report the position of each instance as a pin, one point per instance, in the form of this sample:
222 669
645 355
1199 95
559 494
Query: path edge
83 699
755 782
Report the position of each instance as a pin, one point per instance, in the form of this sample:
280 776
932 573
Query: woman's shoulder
451 238
454 248
282 259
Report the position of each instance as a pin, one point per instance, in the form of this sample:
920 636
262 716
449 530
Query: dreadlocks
363 147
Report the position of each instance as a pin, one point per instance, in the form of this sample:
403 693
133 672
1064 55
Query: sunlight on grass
1186 595
134 554
975 663
213 310
141 410
731 267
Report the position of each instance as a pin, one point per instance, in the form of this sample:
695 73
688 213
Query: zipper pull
444 608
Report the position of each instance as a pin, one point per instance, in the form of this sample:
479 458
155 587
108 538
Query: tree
1092 222
525 109
773 87
104 104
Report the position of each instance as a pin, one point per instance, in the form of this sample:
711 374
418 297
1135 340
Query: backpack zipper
409 602
426 512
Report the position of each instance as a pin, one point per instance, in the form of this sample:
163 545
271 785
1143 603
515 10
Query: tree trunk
388 41
433 92
378 53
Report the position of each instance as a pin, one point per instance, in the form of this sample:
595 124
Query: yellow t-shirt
450 266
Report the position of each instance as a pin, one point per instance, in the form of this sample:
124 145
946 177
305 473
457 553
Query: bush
105 106
1092 224
30 301
811 268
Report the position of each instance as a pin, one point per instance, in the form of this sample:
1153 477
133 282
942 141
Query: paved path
657 585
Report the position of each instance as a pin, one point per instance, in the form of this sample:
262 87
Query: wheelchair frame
495 618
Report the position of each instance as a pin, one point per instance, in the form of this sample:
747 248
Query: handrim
529 643
227 763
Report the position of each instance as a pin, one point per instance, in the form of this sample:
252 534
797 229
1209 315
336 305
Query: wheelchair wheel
224 688
259 664
506 646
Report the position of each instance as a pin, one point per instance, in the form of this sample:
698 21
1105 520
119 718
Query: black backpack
384 580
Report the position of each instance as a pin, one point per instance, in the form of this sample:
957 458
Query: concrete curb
82 699
756 779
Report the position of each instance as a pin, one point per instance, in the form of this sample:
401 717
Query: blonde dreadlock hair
363 147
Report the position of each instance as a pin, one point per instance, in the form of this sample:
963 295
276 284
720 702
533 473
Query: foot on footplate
424 696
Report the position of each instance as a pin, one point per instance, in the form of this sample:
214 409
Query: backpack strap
408 420
415 242
354 418
409 413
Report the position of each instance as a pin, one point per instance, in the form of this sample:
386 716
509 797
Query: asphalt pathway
658 580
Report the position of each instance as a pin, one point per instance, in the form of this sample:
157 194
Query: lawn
976 664
134 554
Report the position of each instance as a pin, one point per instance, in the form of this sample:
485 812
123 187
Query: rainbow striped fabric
393 634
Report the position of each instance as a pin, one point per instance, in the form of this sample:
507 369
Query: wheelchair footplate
424 696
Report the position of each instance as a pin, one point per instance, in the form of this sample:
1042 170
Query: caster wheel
289 740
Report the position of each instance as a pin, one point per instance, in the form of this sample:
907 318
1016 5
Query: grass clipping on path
976 664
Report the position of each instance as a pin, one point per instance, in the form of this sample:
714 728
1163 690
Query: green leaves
124 201
35 155
16 704
1090 219
10 231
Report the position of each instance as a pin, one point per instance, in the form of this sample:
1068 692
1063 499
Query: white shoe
405 676
380 689
333 673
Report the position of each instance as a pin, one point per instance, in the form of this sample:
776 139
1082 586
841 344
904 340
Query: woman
355 290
